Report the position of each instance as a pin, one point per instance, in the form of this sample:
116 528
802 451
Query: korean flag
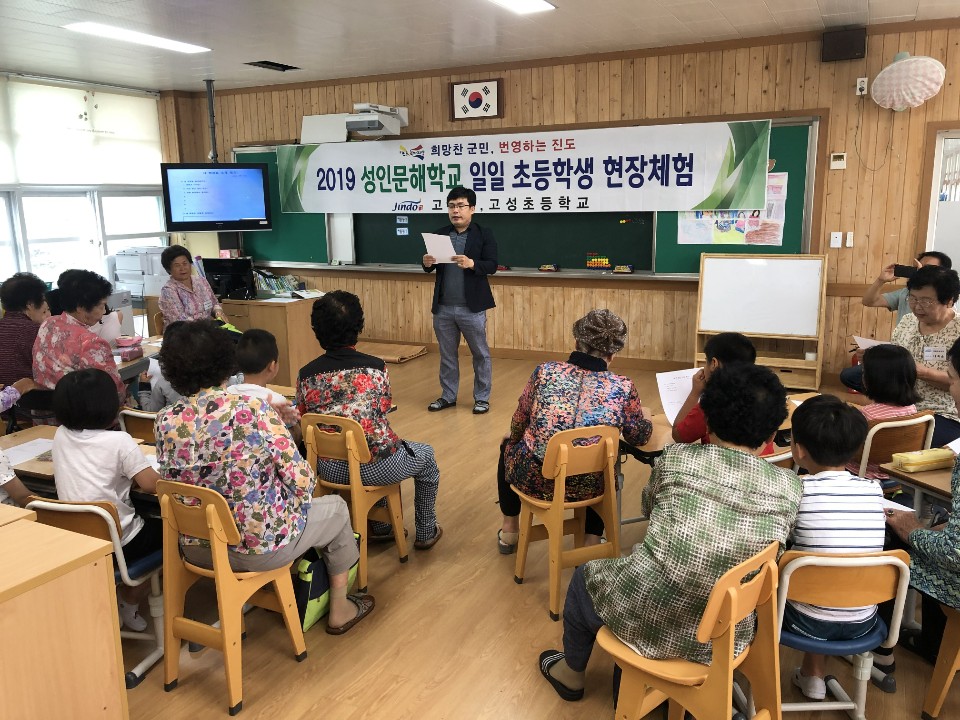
476 100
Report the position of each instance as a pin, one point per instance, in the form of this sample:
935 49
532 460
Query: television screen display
200 197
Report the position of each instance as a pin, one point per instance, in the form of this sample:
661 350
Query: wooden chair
139 424
100 520
210 519
563 458
843 581
706 691
340 438
905 434
948 662
158 323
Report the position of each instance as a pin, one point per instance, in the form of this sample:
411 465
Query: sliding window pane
131 214
8 249
61 234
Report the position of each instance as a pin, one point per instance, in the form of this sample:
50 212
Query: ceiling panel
345 38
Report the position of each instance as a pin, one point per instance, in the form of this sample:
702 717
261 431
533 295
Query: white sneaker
813 688
130 617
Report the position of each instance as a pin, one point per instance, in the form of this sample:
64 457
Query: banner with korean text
695 166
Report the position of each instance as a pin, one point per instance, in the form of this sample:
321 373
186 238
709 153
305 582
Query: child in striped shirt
839 513
889 379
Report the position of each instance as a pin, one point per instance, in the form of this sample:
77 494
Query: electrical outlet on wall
861 86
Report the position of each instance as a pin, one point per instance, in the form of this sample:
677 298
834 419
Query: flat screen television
202 197
231 277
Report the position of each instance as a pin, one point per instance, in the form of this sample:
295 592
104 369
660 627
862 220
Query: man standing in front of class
461 298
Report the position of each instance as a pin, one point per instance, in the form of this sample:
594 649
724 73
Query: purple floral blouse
239 447
561 396
178 302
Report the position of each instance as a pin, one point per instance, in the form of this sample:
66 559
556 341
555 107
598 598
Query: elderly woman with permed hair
561 396
185 296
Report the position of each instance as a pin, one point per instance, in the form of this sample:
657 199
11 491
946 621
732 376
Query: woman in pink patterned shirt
65 343
185 296
889 379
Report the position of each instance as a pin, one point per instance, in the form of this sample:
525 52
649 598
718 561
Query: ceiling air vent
271 65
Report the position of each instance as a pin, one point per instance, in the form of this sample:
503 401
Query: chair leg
395 504
358 514
174 595
948 662
555 543
635 699
136 674
580 514
230 627
523 543
283 587
676 711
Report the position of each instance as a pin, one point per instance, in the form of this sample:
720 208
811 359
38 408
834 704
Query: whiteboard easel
779 297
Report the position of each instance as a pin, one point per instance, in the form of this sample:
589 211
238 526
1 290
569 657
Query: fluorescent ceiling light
525 7
115 33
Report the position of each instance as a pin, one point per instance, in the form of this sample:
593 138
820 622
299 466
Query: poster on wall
738 227
694 166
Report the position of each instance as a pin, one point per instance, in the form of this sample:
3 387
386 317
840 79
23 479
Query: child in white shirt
92 463
839 513
258 358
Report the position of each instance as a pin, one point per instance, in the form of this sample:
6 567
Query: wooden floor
452 635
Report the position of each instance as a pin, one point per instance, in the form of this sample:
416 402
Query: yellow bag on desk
920 460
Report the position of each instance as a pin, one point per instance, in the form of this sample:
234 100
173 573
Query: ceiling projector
376 120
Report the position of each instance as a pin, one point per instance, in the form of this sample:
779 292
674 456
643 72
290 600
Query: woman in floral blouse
350 384
185 296
64 342
711 507
239 446
561 396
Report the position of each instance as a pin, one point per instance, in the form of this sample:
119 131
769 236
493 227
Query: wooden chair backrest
209 519
158 323
335 437
85 523
884 440
732 599
139 424
841 586
568 455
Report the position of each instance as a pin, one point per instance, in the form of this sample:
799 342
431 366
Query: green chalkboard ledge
639 276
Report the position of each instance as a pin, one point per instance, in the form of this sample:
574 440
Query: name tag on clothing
934 353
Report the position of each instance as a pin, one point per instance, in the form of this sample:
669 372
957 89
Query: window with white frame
83 177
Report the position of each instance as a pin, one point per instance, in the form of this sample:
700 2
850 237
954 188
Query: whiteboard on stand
778 295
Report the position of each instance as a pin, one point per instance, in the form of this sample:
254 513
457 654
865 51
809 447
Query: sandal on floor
440 404
364 605
505 548
480 407
427 544
549 658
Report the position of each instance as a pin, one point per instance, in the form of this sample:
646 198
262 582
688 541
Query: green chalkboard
788 147
296 237
528 240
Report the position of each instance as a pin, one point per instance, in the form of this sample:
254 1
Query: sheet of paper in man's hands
674 388
439 246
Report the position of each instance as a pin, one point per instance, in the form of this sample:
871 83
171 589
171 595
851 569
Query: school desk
60 656
129 369
12 513
929 482
37 475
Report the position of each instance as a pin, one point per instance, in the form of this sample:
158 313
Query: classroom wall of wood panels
878 197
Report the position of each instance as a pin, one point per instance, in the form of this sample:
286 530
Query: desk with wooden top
129 369
289 321
13 513
932 482
60 655
37 474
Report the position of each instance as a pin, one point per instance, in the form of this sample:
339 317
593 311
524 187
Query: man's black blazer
482 249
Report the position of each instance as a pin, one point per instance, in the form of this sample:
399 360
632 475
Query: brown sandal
427 544
364 603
